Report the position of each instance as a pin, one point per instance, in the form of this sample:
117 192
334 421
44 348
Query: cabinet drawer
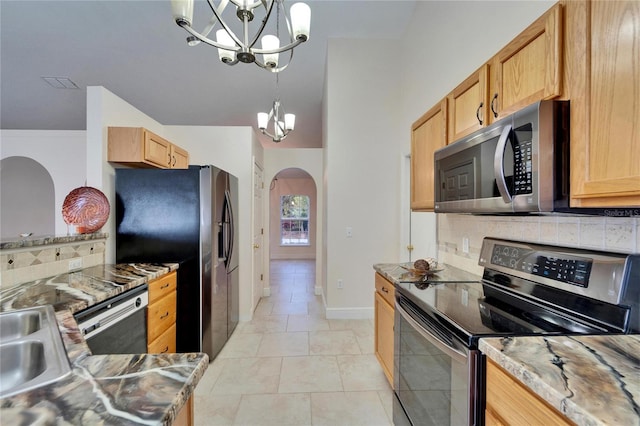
162 286
160 316
386 289
165 343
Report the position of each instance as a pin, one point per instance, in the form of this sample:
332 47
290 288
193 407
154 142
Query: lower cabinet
384 316
509 402
185 415
161 314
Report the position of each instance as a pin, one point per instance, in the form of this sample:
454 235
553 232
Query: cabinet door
165 343
468 106
160 316
157 150
529 68
162 286
510 402
179 158
428 134
604 60
384 314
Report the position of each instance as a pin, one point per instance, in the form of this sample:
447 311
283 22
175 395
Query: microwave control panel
522 153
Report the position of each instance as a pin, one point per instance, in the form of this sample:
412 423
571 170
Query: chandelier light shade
282 124
243 47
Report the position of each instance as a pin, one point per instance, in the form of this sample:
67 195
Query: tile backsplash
26 264
612 234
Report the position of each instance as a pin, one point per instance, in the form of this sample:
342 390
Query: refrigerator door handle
231 226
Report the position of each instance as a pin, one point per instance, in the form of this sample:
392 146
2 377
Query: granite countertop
145 389
592 380
398 273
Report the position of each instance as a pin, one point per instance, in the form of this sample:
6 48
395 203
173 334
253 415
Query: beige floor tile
241 345
341 342
219 410
248 376
348 408
366 344
362 373
310 374
361 328
266 324
297 308
386 396
275 410
306 323
284 344
264 308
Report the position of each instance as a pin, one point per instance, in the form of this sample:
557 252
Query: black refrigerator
186 216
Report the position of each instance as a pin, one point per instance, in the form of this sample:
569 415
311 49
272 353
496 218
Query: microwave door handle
498 161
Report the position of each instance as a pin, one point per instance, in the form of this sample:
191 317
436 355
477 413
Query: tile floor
292 366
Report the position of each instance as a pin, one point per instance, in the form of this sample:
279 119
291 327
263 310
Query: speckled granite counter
398 273
593 380
75 291
145 389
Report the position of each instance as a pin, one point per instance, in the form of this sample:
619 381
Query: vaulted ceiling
135 50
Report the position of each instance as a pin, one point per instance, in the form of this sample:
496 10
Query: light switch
349 232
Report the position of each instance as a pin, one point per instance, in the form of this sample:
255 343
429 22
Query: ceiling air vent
60 82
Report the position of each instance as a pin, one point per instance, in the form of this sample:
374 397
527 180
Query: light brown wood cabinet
161 314
384 316
428 134
468 106
185 415
602 70
529 68
509 402
139 147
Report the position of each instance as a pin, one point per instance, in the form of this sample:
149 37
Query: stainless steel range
525 289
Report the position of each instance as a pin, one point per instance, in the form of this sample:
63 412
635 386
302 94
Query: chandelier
232 48
282 123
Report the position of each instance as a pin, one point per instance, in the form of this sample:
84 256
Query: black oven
117 325
526 289
436 372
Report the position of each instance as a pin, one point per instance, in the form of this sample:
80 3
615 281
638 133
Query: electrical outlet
75 263
340 284
465 245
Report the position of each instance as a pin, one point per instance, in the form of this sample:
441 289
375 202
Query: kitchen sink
33 353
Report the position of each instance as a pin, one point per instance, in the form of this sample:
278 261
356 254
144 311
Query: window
294 220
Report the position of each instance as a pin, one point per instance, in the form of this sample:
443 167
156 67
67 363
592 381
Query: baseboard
349 313
293 256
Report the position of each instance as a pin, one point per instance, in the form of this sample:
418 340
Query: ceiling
135 50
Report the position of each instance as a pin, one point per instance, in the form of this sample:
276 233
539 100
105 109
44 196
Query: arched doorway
292 231
27 198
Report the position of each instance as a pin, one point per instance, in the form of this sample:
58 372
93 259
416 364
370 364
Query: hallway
292 366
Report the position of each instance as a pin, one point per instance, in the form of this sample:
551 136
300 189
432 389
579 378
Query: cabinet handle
478 113
385 290
169 162
495 113
174 161
164 316
165 286
166 349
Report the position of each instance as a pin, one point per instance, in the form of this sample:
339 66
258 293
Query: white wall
311 161
363 146
61 152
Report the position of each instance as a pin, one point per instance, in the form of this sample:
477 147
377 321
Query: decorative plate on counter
86 208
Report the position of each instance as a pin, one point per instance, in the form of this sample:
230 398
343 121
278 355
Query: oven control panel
572 270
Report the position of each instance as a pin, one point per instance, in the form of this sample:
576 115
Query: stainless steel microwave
518 164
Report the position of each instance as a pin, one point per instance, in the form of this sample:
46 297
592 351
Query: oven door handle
456 355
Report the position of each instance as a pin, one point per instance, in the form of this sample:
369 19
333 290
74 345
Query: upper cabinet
139 147
468 106
603 74
428 134
529 68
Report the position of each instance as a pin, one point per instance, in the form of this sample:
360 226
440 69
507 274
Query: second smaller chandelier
281 123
